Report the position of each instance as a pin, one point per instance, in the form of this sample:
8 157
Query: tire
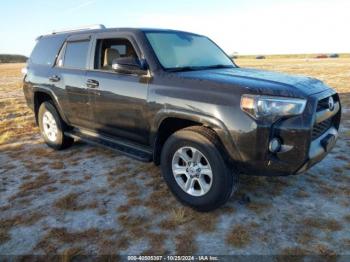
48 119
207 192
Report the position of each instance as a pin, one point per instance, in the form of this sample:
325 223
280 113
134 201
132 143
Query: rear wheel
52 127
195 170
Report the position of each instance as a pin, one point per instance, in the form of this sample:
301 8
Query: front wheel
52 127
195 170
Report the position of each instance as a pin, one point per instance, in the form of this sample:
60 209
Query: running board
138 152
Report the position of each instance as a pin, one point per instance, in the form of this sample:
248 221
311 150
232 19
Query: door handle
54 78
91 83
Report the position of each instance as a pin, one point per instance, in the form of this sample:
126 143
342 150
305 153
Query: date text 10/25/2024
173 258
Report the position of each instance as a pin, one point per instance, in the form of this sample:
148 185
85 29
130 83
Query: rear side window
76 54
46 50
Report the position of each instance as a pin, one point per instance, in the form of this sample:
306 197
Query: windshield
178 50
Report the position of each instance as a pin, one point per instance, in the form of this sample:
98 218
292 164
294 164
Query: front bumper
319 148
304 144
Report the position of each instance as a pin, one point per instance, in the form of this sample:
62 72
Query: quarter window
46 50
76 54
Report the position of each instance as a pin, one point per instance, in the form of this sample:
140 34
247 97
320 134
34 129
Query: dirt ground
89 200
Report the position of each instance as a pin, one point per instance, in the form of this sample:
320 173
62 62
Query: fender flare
207 121
54 98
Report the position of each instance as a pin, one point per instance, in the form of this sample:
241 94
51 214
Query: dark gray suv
175 98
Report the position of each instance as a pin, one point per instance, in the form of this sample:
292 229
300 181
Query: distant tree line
12 58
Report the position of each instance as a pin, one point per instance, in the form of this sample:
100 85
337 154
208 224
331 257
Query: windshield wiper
194 68
218 66
184 68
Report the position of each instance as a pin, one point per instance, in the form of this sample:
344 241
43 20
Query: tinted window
121 49
76 54
46 50
107 50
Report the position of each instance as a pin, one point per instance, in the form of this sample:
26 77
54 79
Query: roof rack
80 28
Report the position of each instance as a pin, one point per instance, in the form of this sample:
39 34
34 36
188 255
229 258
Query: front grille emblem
331 103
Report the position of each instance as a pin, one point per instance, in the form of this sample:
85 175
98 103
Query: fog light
275 145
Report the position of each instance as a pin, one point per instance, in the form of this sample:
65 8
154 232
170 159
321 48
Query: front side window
179 50
108 50
76 54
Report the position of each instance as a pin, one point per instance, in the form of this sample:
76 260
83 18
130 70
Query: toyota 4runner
175 98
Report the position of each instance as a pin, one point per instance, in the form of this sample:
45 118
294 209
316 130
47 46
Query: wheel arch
42 95
169 121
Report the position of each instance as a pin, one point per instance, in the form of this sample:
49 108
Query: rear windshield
46 50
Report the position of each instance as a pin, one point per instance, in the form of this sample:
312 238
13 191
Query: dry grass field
88 200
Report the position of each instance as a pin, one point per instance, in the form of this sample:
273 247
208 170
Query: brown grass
342 157
184 216
332 71
185 243
123 208
70 254
324 251
19 220
305 236
130 221
121 169
51 189
4 208
347 218
276 185
156 200
239 236
301 194
102 190
102 211
63 236
322 224
259 207
179 216
55 237
57 165
33 186
326 190
16 118
156 241
107 247
38 182
134 202
70 203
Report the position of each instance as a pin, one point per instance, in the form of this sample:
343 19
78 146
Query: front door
119 100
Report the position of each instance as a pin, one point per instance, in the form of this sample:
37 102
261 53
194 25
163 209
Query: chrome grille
320 128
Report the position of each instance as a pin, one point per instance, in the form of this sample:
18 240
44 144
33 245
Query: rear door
119 100
71 69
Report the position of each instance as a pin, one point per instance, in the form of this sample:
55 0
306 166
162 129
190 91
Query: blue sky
246 27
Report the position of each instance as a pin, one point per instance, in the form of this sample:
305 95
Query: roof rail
80 28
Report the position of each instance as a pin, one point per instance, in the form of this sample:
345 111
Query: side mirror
130 65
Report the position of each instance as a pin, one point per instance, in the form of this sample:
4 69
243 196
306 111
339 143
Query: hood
260 81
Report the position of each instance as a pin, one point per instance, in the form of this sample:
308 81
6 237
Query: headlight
269 106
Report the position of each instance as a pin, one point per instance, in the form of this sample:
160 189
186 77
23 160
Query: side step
138 152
